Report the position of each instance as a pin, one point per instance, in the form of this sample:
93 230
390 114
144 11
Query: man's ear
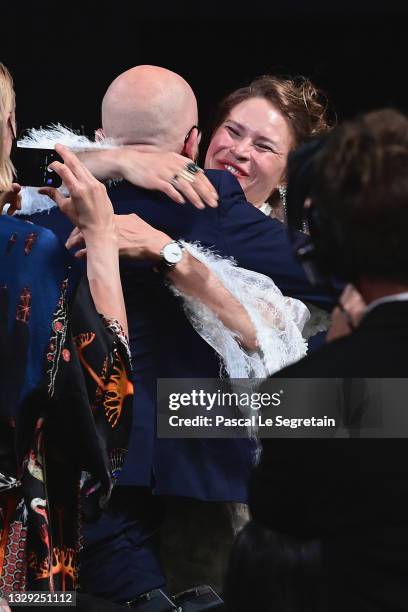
99 135
190 148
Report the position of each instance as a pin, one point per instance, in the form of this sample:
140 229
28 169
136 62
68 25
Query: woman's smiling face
252 143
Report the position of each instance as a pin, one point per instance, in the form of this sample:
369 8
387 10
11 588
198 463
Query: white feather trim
278 320
48 137
34 202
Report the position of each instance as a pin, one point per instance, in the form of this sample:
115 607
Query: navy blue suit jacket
164 344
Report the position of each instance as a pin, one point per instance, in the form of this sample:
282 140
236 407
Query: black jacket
350 493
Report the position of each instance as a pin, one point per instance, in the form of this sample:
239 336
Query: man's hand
353 303
137 239
12 197
88 205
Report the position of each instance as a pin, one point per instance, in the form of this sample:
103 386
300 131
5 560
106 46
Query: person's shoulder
123 190
22 228
127 198
24 238
228 188
231 195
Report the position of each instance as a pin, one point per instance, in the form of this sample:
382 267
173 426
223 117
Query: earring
282 195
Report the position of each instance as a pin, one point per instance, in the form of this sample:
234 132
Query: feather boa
47 138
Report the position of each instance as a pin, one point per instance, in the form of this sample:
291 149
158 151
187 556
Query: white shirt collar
397 297
266 209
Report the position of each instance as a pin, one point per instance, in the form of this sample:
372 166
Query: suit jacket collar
387 314
397 297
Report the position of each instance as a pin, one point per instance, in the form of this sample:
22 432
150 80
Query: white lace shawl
278 320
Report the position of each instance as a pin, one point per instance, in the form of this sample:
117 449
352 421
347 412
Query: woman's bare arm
139 240
152 170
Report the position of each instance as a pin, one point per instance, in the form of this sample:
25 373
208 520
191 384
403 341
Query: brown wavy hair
7 106
361 191
305 107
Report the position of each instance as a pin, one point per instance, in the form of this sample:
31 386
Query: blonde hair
7 106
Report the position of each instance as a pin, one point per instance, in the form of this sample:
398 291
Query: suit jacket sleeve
260 243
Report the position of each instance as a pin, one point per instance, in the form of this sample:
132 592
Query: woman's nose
242 149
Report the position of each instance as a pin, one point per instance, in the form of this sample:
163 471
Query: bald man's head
149 105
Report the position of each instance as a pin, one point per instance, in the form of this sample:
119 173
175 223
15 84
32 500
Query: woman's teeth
231 169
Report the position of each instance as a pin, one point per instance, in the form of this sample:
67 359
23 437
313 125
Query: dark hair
304 106
271 571
361 193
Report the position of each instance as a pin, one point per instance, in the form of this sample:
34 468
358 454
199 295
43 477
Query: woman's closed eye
265 146
232 130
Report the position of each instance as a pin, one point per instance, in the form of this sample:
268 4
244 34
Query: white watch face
172 253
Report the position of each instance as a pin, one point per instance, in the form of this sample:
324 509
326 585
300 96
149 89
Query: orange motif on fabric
116 389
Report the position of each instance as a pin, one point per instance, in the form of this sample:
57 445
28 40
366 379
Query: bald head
149 105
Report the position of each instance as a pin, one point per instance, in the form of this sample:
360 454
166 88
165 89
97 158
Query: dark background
64 55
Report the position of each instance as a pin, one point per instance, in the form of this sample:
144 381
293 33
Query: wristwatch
170 255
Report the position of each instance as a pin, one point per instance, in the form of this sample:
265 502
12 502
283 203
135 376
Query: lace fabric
278 320
319 321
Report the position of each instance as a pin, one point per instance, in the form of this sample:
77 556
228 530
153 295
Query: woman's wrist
119 162
155 245
107 226
98 236
103 164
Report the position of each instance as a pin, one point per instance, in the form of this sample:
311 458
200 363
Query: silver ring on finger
174 180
